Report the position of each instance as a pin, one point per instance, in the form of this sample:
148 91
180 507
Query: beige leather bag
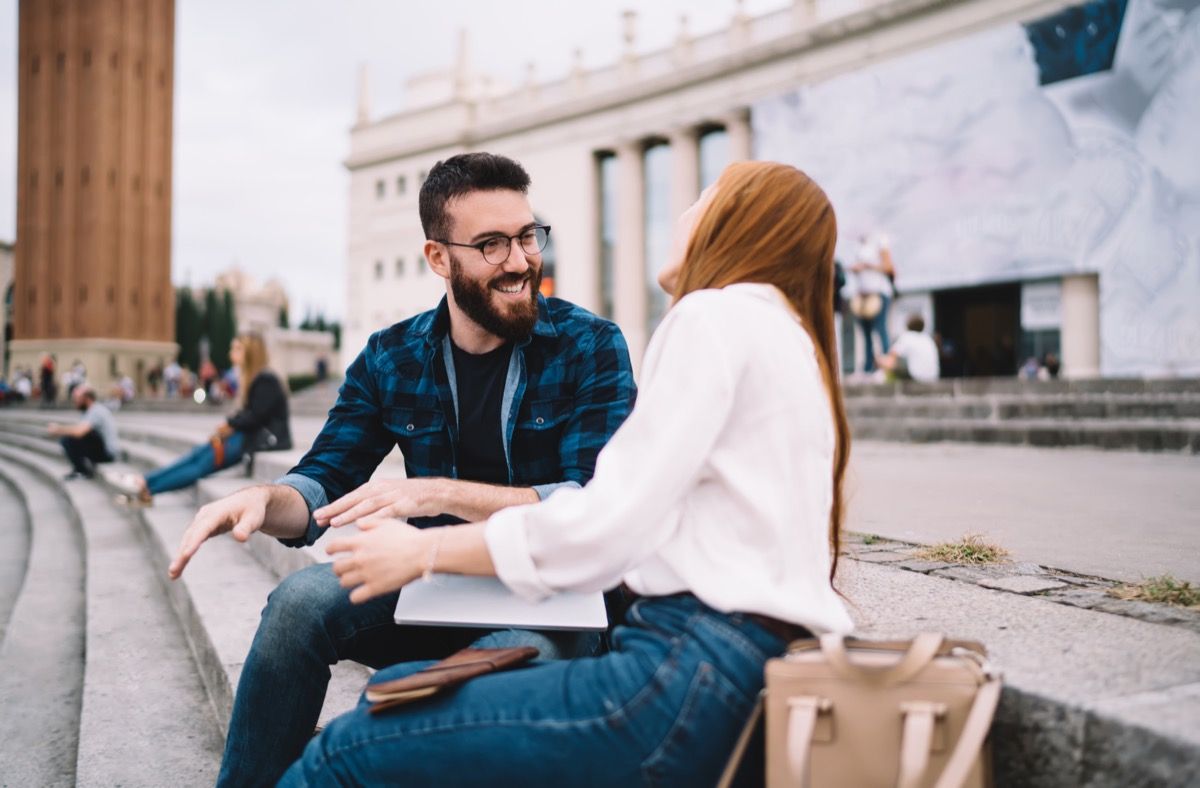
859 714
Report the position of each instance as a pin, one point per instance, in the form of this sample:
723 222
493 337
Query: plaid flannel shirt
569 387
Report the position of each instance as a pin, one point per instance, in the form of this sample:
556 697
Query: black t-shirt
480 397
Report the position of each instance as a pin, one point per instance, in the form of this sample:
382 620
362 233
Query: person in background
91 440
260 425
719 502
914 354
47 380
171 376
874 274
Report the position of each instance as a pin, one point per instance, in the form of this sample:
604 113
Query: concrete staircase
1132 415
111 674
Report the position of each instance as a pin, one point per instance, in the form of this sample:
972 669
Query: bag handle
916 740
924 647
739 749
974 732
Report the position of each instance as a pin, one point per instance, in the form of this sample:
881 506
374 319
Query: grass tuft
971 549
869 539
1163 588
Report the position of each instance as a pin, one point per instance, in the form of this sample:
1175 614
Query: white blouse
719 482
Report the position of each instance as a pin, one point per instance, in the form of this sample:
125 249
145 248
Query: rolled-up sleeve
315 497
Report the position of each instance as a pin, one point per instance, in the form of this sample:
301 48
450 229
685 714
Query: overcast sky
265 96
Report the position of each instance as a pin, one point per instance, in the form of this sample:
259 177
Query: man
496 398
914 355
91 440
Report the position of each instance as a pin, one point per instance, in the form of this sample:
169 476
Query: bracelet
431 564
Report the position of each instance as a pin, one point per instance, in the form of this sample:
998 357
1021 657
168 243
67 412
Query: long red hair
770 223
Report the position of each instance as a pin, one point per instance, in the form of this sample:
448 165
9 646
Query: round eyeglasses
497 249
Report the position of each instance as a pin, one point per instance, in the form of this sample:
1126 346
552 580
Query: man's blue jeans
310 624
664 707
195 465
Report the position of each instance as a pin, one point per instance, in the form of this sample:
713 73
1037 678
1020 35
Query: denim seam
736 638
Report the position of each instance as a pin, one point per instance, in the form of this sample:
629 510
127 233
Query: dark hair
916 323
462 174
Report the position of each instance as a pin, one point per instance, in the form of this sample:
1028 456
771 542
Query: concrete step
1117 407
219 599
14 549
999 386
144 711
42 653
1126 434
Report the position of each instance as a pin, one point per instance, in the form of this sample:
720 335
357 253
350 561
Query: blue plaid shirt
569 387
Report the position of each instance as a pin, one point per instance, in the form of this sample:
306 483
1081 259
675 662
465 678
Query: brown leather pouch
452 671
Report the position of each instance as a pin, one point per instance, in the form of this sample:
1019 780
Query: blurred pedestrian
873 275
92 439
914 354
47 380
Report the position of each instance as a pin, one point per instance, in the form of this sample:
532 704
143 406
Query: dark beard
475 300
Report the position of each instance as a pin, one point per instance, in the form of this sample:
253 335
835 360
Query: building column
1081 326
737 126
685 169
629 274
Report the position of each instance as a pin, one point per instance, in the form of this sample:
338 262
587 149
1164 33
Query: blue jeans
664 707
309 624
876 325
195 465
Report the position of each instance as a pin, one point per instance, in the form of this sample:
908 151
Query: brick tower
92 278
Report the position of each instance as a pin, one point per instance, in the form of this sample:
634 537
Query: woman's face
668 277
237 354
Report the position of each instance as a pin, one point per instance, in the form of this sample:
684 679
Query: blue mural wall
1068 144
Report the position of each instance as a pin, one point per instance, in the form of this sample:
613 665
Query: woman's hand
386 556
224 431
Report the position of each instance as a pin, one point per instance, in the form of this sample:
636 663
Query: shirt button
540 420
411 428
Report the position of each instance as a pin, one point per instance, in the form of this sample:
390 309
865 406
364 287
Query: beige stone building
93 249
928 126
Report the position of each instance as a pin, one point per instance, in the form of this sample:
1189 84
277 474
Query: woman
260 424
718 502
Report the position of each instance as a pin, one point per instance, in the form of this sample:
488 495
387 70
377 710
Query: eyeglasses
497 249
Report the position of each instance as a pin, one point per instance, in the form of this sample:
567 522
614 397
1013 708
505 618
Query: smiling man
496 398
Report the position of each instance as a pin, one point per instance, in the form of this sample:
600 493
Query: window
378 269
380 189
421 178
399 266
401 185
714 155
422 264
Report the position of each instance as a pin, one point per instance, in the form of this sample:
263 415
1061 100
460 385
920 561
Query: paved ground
1121 515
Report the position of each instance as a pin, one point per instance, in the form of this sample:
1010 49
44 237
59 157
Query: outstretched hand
383 498
386 556
241 514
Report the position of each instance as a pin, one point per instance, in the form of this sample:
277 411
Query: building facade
93 249
1035 201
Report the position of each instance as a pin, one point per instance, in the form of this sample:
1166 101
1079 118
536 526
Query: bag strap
802 723
916 741
925 647
974 732
739 749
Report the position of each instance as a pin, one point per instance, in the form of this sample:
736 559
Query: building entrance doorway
980 329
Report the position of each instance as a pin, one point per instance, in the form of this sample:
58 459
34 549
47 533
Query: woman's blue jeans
664 707
876 325
195 465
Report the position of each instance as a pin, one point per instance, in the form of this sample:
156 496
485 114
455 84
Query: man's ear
438 257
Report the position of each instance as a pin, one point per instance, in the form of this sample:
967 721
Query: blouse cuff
508 545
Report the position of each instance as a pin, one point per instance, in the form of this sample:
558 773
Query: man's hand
54 428
385 498
385 557
242 514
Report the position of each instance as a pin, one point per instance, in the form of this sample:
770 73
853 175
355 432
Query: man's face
501 299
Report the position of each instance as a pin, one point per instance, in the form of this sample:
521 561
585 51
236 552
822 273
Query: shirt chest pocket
409 423
537 441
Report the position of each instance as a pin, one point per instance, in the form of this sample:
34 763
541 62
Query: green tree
283 316
189 326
